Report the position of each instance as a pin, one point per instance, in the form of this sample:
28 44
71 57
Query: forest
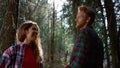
57 27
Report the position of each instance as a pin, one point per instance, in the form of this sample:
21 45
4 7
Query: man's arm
79 52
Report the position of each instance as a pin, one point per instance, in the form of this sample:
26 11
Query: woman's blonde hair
36 45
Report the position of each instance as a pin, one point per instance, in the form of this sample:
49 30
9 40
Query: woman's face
32 33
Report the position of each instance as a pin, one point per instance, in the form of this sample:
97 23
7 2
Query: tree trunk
10 24
75 4
111 19
105 35
105 39
52 41
118 46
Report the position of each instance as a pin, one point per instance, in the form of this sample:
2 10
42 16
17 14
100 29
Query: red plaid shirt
13 57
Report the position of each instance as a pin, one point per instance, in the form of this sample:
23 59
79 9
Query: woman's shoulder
11 49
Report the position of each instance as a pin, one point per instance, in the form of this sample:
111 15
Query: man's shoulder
86 31
91 32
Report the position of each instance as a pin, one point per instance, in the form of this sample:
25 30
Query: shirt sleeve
79 52
5 60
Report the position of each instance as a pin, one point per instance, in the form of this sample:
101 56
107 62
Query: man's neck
83 27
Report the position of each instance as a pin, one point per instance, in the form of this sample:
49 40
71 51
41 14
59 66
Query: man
88 48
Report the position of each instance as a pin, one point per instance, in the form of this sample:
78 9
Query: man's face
81 19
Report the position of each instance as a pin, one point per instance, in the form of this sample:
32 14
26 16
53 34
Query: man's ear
88 19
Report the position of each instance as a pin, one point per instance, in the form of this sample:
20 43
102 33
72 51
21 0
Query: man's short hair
89 11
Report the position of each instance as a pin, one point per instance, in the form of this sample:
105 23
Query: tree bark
75 4
105 35
52 41
118 46
112 28
10 24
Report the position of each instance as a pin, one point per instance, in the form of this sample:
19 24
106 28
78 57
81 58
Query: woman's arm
5 60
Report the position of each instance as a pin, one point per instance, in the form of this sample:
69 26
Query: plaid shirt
88 50
13 57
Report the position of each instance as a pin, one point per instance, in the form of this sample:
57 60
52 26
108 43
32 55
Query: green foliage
65 32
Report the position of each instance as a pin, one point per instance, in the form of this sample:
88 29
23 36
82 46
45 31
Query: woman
28 52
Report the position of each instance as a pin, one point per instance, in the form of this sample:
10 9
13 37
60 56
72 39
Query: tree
112 28
52 43
104 32
11 19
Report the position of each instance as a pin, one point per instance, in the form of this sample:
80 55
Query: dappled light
57 22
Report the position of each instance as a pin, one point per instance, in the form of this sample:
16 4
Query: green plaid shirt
87 51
